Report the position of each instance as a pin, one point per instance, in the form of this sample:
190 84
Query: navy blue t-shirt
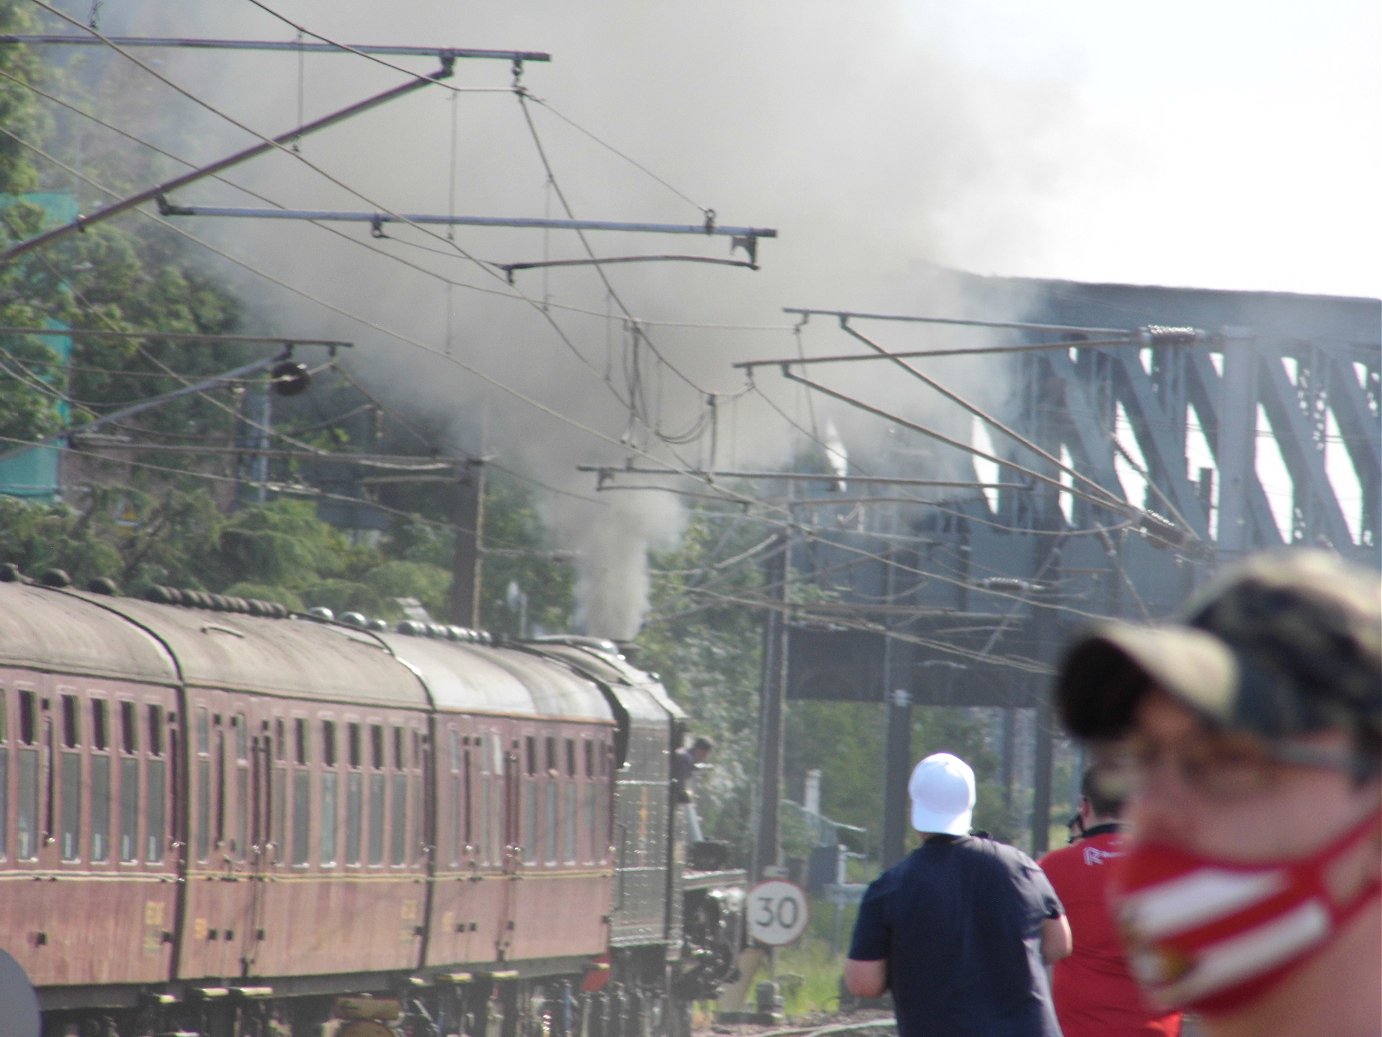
959 922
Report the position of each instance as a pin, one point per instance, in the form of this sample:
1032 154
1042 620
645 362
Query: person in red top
1094 991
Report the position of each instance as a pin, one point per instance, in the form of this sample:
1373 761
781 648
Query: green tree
707 646
120 276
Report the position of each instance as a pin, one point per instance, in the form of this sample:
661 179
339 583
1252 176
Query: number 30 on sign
778 912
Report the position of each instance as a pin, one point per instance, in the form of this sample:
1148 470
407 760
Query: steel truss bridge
1216 423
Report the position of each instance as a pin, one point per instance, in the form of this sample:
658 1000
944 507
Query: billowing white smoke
611 548
866 178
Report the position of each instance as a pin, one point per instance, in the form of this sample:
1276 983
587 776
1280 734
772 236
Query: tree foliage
707 647
118 276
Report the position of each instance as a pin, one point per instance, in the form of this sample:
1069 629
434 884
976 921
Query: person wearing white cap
960 931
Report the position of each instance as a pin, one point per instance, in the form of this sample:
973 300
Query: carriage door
513 846
261 851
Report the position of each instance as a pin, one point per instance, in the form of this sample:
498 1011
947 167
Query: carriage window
377 789
100 781
398 748
203 730
202 821
99 733
531 754
69 767
549 827
399 820
278 809
355 795
327 847
154 818
280 741
530 820
570 758
28 717
220 784
354 815
589 758
129 810
327 853
302 812
376 818
129 733
100 807
71 735
155 730
299 740
242 785
568 823
551 755
458 811
591 830
128 849
467 806
4 774
26 822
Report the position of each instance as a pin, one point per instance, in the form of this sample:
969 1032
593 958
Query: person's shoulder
1060 856
982 842
889 879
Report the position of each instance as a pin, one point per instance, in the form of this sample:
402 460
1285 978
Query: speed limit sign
777 912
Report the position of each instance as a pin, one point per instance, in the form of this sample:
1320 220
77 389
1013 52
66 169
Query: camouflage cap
1280 643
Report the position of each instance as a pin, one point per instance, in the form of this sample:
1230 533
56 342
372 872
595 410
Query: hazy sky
1229 144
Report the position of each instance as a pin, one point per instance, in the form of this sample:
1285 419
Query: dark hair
1105 796
702 742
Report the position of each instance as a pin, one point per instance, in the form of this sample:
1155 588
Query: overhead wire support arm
287 341
378 219
125 204
153 401
847 315
1037 347
1111 503
440 53
608 471
511 268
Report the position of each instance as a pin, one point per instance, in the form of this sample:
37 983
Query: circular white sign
777 912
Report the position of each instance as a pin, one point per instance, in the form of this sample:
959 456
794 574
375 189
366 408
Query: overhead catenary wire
398 335
265 145
989 419
1102 497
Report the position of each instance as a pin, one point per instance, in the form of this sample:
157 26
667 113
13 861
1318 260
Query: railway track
874 1024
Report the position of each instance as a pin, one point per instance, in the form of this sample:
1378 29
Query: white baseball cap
942 794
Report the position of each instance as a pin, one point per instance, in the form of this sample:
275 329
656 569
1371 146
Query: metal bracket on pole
159 192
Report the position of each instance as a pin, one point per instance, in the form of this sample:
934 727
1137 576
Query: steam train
224 820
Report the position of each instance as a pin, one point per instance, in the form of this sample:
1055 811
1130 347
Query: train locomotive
220 819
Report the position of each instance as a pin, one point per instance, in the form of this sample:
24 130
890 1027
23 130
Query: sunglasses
1225 763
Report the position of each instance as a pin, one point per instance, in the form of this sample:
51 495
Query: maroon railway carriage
201 798
523 792
220 822
88 740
